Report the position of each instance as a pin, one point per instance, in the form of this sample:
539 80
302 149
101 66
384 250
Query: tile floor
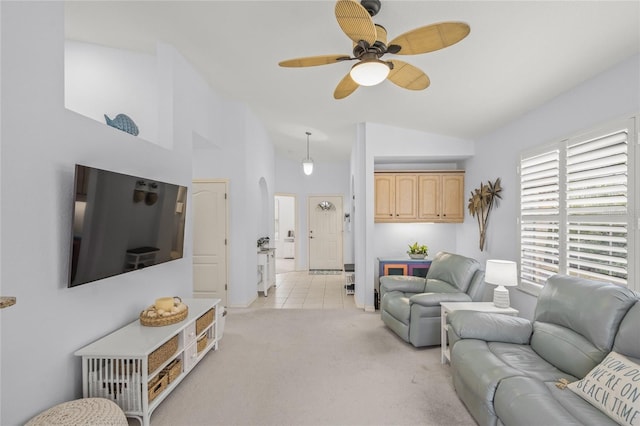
299 290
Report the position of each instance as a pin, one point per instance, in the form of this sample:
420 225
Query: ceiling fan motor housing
372 6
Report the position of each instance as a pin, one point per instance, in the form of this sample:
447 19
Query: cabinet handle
390 214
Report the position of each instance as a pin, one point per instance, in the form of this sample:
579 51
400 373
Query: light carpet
313 367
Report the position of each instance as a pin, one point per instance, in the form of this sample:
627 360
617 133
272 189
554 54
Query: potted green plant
417 251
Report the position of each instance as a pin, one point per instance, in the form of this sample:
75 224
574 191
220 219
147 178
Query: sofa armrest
403 283
490 327
434 299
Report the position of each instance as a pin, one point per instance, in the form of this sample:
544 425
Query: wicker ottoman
82 412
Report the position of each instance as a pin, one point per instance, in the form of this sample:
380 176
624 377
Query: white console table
116 366
266 269
448 307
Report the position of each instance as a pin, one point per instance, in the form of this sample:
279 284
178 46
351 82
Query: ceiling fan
370 44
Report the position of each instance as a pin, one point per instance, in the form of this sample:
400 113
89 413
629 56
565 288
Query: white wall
99 80
327 179
609 96
41 143
382 143
240 150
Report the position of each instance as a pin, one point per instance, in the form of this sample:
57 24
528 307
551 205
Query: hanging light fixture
307 163
369 72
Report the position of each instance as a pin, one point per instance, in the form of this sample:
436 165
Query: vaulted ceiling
519 55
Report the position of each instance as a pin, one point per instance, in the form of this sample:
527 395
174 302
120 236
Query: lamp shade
307 166
369 72
501 272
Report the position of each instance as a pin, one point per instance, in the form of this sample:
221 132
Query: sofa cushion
590 308
530 402
627 340
613 387
454 269
479 370
526 361
565 348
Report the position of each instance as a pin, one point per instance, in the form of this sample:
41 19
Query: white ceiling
518 55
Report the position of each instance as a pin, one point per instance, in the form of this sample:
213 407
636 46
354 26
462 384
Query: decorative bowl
417 255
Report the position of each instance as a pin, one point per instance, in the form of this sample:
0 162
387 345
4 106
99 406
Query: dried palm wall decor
480 204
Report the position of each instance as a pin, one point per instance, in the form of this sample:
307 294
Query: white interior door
210 239
325 232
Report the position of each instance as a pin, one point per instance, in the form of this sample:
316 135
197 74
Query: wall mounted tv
122 223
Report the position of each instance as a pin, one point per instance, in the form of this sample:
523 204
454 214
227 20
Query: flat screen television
123 223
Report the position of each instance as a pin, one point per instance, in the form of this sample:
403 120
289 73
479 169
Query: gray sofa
508 370
410 306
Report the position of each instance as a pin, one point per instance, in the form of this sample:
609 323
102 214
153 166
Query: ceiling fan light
307 166
369 72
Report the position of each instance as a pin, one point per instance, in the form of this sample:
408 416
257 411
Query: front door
325 232
210 239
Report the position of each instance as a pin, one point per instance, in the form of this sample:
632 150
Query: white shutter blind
539 216
596 204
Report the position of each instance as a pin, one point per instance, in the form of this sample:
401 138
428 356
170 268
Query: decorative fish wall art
123 122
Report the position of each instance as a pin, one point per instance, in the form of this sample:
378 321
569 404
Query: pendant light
307 163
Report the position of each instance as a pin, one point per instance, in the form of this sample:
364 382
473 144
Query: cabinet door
385 196
406 197
429 197
453 198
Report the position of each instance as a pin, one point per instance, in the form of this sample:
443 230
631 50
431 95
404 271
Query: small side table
447 307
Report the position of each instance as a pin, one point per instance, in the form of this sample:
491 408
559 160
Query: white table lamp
503 273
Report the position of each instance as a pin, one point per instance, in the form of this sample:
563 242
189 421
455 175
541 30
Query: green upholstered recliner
410 306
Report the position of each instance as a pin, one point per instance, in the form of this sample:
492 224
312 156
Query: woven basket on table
150 317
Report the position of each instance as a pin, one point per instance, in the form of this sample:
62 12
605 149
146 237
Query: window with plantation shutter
539 216
577 214
597 207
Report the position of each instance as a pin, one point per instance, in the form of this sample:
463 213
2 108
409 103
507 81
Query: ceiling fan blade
407 76
346 87
312 61
355 21
429 38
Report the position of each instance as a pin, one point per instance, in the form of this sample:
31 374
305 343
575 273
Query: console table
138 366
403 266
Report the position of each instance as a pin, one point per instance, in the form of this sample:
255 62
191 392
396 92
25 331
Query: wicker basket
163 353
205 320
157 385
202 343
173 370
162 321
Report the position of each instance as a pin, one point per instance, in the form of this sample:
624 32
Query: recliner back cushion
593 309
627 341
565 349
453 269
439 286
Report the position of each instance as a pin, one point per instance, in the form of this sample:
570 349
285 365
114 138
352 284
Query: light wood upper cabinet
385 196
429 197
419 197
406 199
453 198
396 197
